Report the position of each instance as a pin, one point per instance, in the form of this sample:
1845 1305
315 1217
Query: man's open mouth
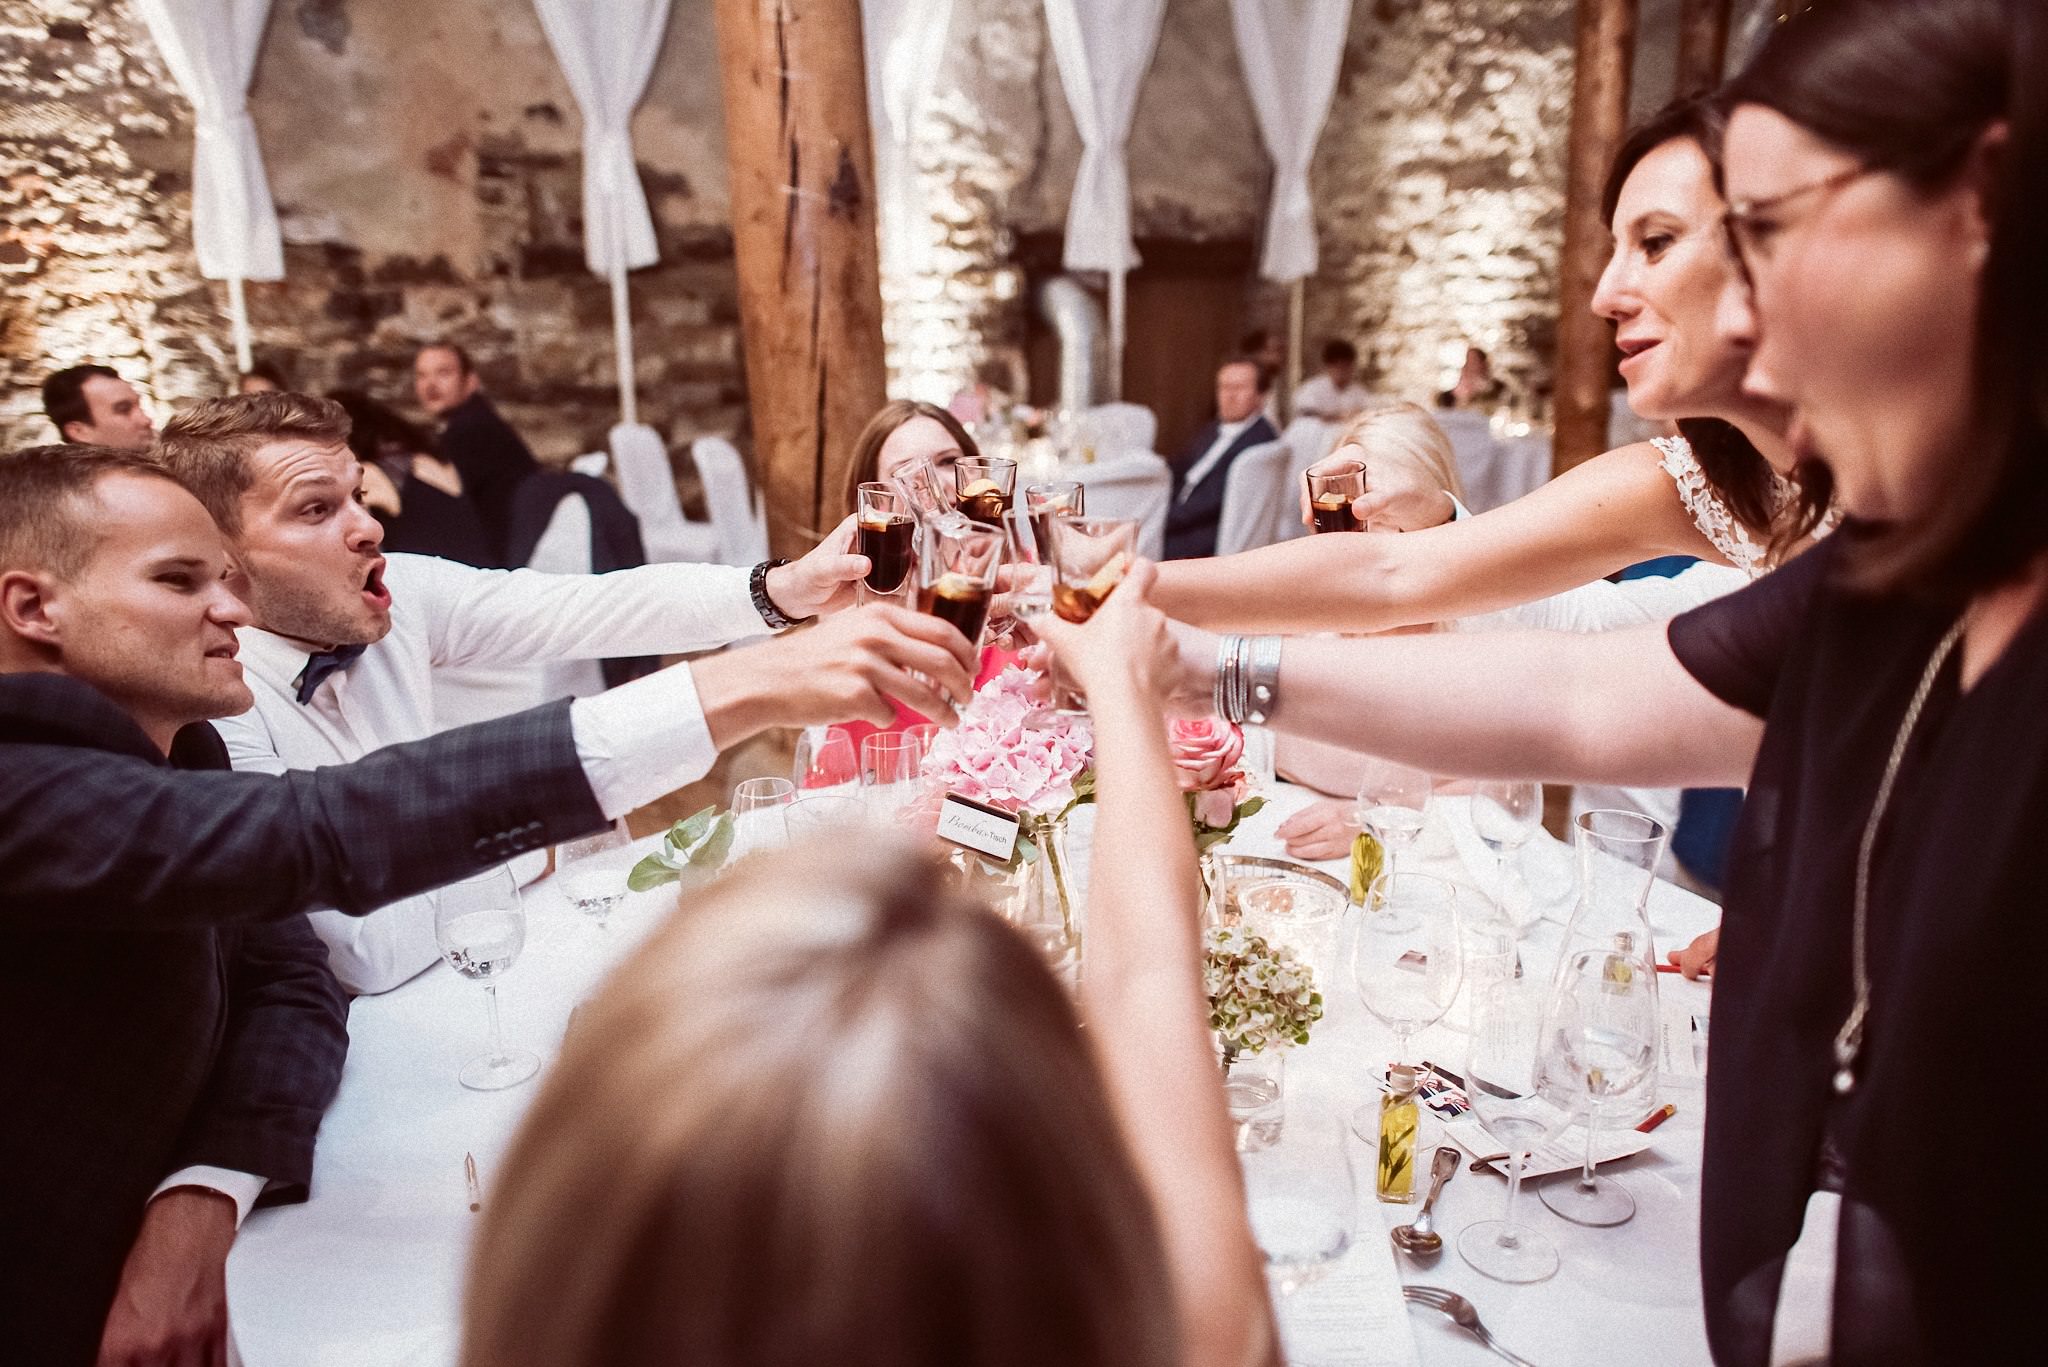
373 585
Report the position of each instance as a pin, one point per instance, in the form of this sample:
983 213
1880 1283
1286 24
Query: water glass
1290 914
891 763
1393 803
759 814
594 886
1521 1107
1407 961
1601 1037
1301 1195
481 927
825 814
1505 814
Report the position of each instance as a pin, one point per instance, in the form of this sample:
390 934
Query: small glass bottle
1398 1118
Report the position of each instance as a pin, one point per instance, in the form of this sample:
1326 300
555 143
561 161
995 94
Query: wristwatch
757 589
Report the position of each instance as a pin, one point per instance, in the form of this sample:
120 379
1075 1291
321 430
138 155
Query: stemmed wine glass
1521 1107
825 761
1301 1195
1504 815
1601 1035
1407 960
593 886
760 814
1393 803
481 928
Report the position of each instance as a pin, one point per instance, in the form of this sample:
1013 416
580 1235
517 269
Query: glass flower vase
1034 892
1255 1090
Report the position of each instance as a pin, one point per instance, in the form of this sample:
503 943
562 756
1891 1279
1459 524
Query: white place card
1565 1153
979 827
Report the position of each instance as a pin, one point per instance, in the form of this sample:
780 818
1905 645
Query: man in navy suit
1200 471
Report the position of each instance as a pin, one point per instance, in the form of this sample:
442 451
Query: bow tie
319 665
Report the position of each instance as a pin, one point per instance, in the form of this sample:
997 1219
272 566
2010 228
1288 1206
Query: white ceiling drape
607 50
1290 50
1102 52
210 48
906 44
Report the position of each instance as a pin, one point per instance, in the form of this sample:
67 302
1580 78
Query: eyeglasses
1752 223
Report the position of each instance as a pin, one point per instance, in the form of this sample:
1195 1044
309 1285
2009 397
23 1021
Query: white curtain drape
210 48
607 50
1290 50
906 44
1103 51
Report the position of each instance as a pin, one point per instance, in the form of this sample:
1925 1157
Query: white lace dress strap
1709 513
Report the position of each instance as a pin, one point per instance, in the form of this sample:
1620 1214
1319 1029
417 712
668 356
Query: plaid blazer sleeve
93 838
279 1061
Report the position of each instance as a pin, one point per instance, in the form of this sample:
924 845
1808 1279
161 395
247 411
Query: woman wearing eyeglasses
1881 695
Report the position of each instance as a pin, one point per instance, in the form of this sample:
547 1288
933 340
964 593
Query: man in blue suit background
1200 471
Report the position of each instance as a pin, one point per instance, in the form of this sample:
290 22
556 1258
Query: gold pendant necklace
1849 1039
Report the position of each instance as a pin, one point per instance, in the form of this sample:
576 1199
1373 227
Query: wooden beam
1585 344
803 225
1702 45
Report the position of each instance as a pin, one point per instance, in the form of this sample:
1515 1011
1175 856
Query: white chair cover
1135 485
1308 441
647 483
594 464
1115 429
1254 493
1494 470
736 513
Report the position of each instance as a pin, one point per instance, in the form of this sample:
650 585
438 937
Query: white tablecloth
368 1273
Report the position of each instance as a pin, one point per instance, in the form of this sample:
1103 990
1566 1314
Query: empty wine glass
1301 1195
1601 1036
593 886
890 765
1504 815
824 814
1393 803
1407 960
1521 1107
481 928
759 820
826 761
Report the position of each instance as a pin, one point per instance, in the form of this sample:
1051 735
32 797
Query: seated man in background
1335 395
165 1024
346 643
1201 472
92 404
492 458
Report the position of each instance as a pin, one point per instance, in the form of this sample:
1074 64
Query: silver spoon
1419 1240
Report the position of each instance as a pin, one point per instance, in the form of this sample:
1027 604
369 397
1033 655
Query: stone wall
426 164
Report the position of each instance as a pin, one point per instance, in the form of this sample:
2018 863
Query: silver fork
1460 1312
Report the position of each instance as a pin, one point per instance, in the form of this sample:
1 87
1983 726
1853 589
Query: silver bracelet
1220 693
1261 678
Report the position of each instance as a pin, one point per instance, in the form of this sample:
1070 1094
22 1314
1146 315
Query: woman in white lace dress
1722 492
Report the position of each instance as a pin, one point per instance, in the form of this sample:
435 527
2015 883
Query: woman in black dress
1878 1011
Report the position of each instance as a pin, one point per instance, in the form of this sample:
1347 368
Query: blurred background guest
264 377
1335 394
492 458
417 496
1201 471
1476 385
92 405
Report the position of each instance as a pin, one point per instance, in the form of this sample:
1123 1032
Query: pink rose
1215 807
1205 755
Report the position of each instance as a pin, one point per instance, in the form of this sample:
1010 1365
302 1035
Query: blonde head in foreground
833 1111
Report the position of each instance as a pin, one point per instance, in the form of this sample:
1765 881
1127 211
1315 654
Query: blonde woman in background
836 1111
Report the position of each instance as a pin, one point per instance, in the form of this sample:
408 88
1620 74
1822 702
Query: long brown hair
1909 88
1736 471
867 447
833 1110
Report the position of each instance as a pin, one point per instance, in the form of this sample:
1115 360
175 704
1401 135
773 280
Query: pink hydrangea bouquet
1002 755
1206 757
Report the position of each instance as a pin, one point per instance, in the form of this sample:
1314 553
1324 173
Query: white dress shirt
1226 436
637 742
1318 397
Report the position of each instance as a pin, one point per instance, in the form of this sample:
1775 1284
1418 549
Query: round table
369 1271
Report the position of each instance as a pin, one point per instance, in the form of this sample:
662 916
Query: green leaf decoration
695 848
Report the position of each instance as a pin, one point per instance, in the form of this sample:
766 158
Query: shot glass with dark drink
957 574
1043 503
1332 485
984 489
886 525
1090 557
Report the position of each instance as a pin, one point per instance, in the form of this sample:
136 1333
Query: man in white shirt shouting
346 642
